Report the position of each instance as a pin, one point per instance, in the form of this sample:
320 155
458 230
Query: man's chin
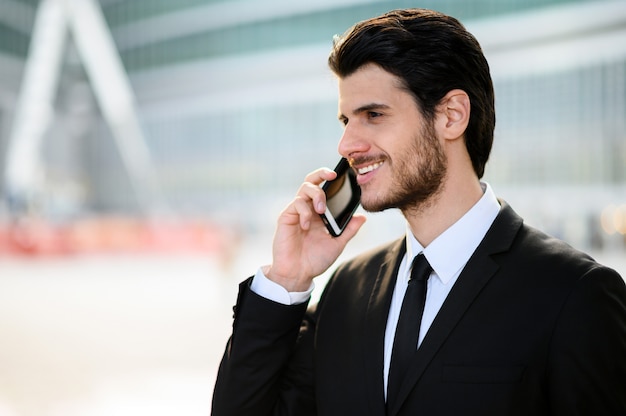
376 206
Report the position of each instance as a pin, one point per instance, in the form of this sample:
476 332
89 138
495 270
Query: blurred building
236 105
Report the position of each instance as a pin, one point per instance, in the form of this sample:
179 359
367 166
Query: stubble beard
417 176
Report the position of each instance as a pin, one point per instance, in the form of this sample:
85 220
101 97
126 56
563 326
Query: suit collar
478 271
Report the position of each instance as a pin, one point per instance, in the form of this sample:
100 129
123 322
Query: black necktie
407 331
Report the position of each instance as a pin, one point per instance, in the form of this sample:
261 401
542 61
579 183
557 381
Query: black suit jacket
531 327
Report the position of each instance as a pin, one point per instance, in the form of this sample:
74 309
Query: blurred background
147 147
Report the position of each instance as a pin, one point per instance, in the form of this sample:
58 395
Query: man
514 322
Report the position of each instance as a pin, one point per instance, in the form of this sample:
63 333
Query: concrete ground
111 335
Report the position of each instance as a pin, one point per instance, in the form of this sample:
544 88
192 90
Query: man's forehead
370 88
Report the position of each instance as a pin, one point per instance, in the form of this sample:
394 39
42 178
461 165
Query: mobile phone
343 195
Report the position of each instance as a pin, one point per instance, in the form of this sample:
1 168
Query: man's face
396 153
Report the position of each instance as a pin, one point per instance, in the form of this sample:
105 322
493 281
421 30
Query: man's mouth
369 168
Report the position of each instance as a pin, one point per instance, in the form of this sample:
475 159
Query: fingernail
320 207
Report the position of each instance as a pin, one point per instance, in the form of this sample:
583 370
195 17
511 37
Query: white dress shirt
447 255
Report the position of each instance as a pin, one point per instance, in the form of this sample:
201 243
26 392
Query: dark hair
433 54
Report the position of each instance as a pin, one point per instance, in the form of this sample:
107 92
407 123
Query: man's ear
454 114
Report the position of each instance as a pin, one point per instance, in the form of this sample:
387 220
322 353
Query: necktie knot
420 269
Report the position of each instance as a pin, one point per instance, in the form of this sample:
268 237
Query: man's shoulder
375 257
547 255
515 242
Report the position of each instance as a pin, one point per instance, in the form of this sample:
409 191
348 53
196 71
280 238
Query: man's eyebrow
365 108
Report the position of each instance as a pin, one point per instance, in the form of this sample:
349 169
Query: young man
514 321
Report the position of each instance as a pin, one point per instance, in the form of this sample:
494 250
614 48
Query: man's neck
443 209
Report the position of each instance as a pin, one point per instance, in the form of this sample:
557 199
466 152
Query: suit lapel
376 322
477 272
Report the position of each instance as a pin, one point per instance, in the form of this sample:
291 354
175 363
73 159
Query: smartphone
343 196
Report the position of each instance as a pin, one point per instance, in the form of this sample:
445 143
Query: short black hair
432 53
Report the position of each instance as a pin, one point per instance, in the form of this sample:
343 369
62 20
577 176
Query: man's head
432 54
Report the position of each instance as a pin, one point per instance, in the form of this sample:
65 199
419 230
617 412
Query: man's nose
352 142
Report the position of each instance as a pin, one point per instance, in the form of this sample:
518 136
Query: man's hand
303 248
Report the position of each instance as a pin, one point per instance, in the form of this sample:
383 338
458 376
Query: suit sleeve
587 373
267 368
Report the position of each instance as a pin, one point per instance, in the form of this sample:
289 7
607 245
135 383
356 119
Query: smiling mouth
369 168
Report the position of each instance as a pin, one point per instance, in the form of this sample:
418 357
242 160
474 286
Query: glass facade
564 128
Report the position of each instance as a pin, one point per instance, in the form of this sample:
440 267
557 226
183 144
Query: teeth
369 168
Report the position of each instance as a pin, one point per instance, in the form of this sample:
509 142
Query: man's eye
373 114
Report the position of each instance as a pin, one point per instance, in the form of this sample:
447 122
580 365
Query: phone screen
343 196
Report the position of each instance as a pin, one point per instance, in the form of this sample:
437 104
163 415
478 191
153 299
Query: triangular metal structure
96 49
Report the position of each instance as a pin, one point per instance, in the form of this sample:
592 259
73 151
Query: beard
417 176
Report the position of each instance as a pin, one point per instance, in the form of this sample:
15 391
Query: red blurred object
112 234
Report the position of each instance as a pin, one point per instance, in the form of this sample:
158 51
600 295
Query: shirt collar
451 250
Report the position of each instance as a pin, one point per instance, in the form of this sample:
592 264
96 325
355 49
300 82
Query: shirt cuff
268 289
